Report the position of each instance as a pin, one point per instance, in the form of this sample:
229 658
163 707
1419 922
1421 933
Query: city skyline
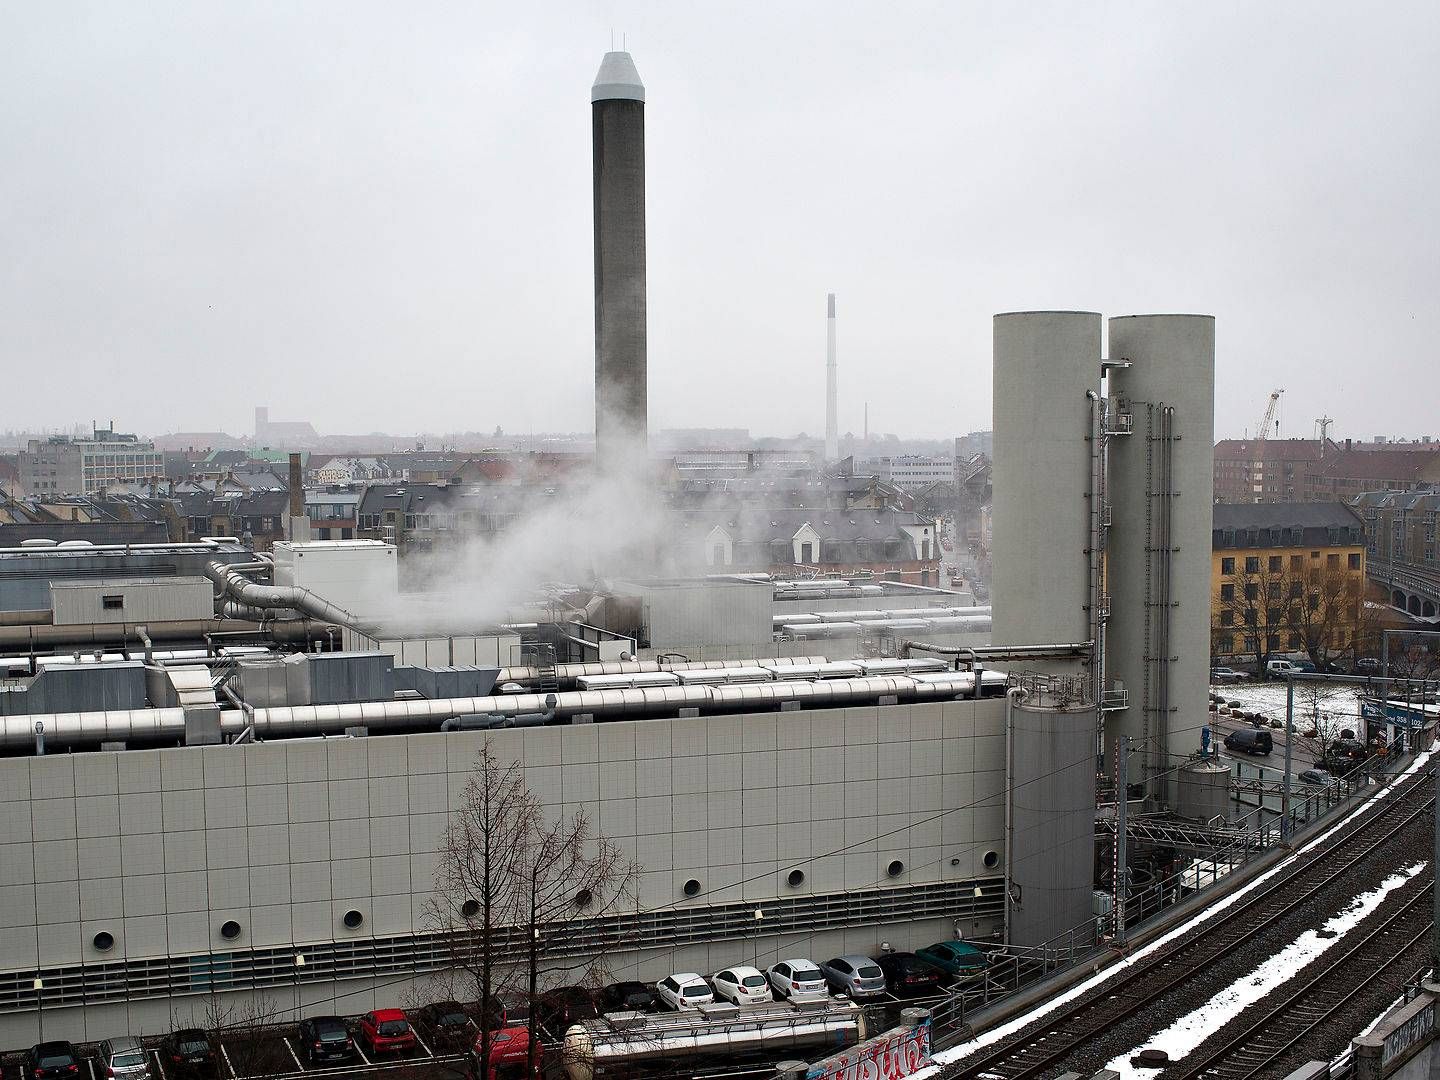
197 194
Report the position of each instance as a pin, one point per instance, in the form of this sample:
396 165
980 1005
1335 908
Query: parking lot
273 1055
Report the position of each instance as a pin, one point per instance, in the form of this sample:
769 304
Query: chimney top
617 79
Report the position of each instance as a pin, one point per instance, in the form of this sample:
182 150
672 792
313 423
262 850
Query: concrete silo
1046 365
1050 833
1158 549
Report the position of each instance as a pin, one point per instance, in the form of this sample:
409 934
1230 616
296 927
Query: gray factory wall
160 847
834 648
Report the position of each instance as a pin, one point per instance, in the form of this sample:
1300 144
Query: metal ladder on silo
545 676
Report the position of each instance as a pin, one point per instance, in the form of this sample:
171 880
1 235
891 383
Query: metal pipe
29 638
1013 696
292 597
1003 652
154 725
531 673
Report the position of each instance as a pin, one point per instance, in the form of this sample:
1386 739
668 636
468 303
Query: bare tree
565 869
1318 724
477 898
1276 603
520 895
239 1026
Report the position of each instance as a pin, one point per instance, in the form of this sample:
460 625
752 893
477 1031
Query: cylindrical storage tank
1045 363
1158 551
1052 819
1202 791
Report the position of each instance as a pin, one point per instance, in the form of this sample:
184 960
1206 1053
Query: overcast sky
377 216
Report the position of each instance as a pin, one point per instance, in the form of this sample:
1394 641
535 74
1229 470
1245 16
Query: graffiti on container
897 1053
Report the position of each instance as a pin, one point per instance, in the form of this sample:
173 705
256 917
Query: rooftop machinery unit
1158 556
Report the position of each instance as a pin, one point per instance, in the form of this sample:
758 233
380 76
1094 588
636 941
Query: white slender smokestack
832 423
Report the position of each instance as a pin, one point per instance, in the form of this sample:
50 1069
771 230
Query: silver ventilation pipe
270 597
638 667
161 725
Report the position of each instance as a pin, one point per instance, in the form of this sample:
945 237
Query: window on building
1354 560
1225 644
1252 617
1273 615
1252 591
1227 618
1272 590
1297 562
1227 592
113 602
1272 642
1252 564
1277 563
1332 561
1227 566
1295 641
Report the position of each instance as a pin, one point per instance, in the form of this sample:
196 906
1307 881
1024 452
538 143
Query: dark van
1249 741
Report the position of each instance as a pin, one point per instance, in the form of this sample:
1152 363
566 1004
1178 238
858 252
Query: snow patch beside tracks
1186 929
1183 1036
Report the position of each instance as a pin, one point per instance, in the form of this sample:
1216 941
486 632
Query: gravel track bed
1131 1034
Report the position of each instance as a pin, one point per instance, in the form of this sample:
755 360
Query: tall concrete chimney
618 132
832 422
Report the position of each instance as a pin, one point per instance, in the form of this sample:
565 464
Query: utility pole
1122 806
1289 738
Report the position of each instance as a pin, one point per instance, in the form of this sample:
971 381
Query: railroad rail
1031 1053
1267 1037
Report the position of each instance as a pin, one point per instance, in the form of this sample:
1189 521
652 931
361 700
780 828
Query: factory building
61 465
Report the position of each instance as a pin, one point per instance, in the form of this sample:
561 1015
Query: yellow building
1287 580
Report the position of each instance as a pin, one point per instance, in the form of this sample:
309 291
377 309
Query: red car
509 1055
387 1029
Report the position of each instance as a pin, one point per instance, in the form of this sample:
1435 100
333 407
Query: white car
743 986
684 991
799 980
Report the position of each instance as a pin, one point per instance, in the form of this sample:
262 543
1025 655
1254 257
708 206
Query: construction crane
1263 431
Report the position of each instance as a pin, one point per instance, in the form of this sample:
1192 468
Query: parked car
509 1052
1226 675
742 985
1278 669
50 1059
188 1052
855 975
1367 665
1249 741
558 1009
907 975
1318 777
628 997
958 959
387 1030
125 1058
326 1038
686 990
446 1024
798 980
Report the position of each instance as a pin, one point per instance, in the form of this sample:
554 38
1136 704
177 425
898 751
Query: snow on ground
1188 1032
1185 929
1269 699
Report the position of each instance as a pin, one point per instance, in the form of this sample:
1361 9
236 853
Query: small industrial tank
1202 790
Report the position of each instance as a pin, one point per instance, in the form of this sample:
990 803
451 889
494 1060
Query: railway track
1268 1037
1030 1054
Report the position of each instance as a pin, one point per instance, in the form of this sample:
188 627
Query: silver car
798 980
856 976
125 1058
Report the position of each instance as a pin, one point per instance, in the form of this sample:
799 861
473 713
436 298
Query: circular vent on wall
230 930
991 860
896 868
352 919
796 878
104 941
470 908
692 887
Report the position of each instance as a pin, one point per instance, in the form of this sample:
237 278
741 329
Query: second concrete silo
1046 362
1051 822
1158 551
